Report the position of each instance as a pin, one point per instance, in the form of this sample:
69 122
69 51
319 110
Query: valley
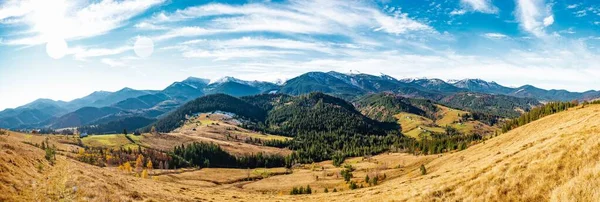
428 146
509 166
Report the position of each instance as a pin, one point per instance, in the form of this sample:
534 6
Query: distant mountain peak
126 89
387 77
227 79
196 80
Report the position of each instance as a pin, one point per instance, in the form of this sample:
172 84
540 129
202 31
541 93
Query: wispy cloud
495 36
297 17
534 16
236 53
483 6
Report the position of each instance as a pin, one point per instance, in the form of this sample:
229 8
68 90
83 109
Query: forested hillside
501 105
384 106
318 112
209 103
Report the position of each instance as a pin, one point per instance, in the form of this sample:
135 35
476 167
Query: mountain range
103 107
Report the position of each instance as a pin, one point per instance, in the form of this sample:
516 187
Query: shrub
51 154
353 185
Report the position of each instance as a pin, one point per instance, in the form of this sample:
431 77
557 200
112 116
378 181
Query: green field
111 141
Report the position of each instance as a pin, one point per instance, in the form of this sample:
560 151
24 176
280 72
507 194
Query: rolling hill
551 159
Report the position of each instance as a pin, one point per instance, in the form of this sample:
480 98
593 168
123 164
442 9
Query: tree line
537 113
204 155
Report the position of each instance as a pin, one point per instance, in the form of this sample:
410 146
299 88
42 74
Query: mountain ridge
346 86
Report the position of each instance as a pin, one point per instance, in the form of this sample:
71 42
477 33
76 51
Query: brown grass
552 159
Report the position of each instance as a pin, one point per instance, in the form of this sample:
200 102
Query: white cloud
572 6
14 9
534 16
458 12
549 20
483 6
495 36
149 26
69 20
249 42
581 13
297 17
227 54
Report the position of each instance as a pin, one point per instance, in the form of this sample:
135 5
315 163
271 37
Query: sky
65 49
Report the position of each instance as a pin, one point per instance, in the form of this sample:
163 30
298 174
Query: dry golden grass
218 129
552 159
418 126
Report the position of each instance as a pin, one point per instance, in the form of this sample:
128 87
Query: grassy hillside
552 159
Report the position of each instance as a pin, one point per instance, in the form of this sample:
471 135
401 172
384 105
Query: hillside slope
552 159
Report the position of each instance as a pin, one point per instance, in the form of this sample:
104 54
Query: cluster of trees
488 119
283 143
200 154
320 146
537 113
114 157
301 190
502 105
142 167
277 143
49 131
450 140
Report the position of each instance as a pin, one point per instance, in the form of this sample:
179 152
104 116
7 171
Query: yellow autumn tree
139 163
145 174
149 165
127 167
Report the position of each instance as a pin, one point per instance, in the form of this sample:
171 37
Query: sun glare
143 47
50 21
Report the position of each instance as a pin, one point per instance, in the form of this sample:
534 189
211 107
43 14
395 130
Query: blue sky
63 49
